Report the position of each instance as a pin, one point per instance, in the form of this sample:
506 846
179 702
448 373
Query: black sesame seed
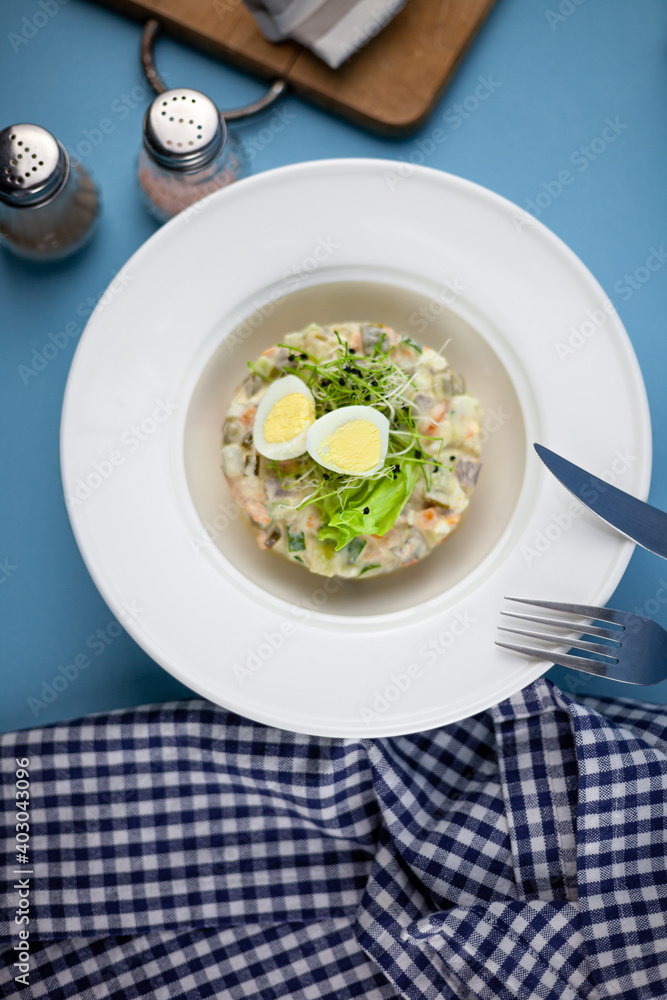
352 350
357 371
290 357
367 510
325 475
341 381
367 396
305 357
418 454
374 382
397 468
325 382
452 458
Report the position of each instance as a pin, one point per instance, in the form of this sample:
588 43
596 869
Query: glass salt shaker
187 152
49 206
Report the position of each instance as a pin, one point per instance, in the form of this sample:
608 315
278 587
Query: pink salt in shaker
187 152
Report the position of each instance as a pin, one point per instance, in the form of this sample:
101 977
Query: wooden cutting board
390 86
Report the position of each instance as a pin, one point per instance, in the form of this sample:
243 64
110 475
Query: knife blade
634 518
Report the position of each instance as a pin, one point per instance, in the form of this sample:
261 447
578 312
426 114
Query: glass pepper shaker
187 152
49 207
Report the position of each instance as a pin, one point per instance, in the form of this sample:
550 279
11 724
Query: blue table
556 70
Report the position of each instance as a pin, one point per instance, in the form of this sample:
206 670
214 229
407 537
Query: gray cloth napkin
332 29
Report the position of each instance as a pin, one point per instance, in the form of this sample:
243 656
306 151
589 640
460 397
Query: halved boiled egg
352 440
284 414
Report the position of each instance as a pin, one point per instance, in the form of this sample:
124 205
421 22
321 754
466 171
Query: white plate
439 258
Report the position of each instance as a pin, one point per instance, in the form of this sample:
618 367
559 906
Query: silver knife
634 518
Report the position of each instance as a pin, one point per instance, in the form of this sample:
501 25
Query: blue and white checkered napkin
333 29
181 851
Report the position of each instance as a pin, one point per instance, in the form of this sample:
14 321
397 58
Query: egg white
325 426
280 450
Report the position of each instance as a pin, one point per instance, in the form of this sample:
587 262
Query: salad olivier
353 450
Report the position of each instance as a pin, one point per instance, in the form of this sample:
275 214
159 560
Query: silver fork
635 653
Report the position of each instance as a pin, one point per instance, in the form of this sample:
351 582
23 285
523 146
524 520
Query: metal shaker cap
33 165
183 130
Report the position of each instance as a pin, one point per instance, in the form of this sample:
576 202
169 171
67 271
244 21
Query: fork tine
599 614
580 663
607 633
590 647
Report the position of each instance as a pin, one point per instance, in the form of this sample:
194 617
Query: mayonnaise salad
353 450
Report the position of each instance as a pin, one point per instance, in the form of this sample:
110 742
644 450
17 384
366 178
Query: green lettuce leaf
343 514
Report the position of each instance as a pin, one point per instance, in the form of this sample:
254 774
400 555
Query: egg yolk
289 417
354 446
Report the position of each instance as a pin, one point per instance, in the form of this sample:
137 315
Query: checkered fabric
179 851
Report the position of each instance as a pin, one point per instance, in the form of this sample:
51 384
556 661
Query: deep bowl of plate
446 262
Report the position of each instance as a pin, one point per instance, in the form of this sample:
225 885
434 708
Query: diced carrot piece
439 413
247 418
354 341
427 519
258 513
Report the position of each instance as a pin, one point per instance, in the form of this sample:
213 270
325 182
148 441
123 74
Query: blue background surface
560 76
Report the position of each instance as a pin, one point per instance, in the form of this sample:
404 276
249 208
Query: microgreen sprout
346 378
